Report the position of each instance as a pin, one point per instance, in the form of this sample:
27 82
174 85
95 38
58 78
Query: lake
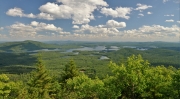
97 48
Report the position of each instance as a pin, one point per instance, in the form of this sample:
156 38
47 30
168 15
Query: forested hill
83 74
27 45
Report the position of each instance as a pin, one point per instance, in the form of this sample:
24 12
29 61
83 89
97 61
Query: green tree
158 81
128 80
70 71
176 84
40 83
83 87
6 86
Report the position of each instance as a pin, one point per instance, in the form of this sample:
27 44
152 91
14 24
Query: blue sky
90 20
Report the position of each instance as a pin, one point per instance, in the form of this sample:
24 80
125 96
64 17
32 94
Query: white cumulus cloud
143 33
68 9
15 12
115 24
110 29
75 26
142 7
149 12
171 20
57 11
46 16
121 12
33 29
34 23
96 31
154 32
19 12
169 15
22 30
80 11
141 14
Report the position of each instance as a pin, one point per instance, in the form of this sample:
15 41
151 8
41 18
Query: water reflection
98 48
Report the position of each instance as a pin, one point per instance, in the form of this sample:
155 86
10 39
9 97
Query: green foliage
159 53
131 78
128 80
156 56
70 71
16 59
158 81
176 83
83 87
28 45
6 86
40 83
136 79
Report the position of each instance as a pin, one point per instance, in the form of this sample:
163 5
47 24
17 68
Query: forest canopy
133 79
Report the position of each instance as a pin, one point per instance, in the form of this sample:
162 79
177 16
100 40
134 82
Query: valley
22 56
98 68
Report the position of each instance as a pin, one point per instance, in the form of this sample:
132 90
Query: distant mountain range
23 46
28 45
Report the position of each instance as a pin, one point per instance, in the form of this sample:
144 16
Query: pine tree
70 71
39 85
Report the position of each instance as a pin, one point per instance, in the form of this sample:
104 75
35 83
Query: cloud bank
64 9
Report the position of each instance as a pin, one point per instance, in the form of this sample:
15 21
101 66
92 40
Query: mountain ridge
27 45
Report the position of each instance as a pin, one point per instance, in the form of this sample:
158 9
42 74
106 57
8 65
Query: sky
90 20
